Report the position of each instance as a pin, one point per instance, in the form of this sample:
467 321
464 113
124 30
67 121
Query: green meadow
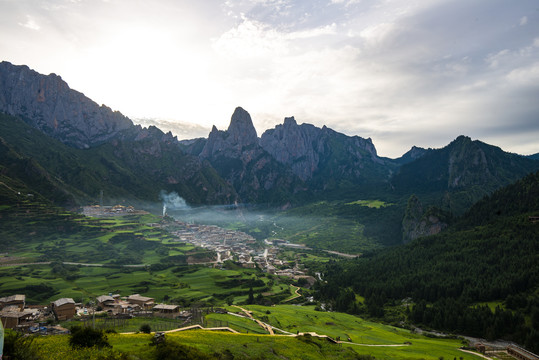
127 255
382 341
181 284
370 203
368 339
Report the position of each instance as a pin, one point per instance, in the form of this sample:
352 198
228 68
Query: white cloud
30 23
251 39
310 33
525 76
404 72
493 60
377 34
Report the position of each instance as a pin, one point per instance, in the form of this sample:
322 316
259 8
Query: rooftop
138 297
104 298
63 301
165 307
17 297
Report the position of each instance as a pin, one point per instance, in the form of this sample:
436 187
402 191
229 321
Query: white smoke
172 201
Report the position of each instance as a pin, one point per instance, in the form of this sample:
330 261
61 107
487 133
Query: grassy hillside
368 340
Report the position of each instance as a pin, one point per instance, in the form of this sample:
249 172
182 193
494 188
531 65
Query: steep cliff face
322 156
419 223
237 156
464 171
49 105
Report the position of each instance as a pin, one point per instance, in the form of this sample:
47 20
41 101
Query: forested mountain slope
461 173
128 169
491 254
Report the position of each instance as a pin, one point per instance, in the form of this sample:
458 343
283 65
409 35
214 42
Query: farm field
184 285
68 255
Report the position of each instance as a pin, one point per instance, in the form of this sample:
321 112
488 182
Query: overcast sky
402 72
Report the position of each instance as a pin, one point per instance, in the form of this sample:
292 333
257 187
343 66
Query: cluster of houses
229 244
15 314
224 242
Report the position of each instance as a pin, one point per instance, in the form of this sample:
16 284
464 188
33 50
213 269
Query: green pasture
250 346
374 336
187 283
370 203
131 325
240 324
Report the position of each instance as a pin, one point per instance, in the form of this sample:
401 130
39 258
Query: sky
402 72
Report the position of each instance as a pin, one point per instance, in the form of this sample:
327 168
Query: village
16 314
242 248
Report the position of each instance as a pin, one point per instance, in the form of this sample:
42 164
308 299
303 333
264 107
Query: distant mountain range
83 148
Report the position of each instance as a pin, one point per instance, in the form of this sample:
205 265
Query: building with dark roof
63 308
19 300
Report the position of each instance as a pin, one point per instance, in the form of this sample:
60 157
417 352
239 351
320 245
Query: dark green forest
490 254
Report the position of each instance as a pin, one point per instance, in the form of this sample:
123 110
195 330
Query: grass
254 346
242 325
305 319
188 285
493 305
128 325
370 203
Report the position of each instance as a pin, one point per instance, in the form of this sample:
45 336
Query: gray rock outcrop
238 158
48 104
419 223
323 153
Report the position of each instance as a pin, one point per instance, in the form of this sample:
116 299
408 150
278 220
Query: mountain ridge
49 104
463 172
288 164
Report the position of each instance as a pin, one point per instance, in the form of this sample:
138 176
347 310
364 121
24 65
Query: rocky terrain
49 105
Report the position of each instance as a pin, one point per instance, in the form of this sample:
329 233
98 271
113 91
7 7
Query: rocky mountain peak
290 121
240 134
321 152
461 139
241 128
419 223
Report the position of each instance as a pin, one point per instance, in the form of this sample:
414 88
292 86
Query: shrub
18 347
145 328
87 337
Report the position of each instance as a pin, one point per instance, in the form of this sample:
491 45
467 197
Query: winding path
295 296
270 328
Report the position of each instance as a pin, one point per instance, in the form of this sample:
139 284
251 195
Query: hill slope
489 255
135 168
461 173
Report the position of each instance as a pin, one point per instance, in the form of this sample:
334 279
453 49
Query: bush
145 328
87 337
18 347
